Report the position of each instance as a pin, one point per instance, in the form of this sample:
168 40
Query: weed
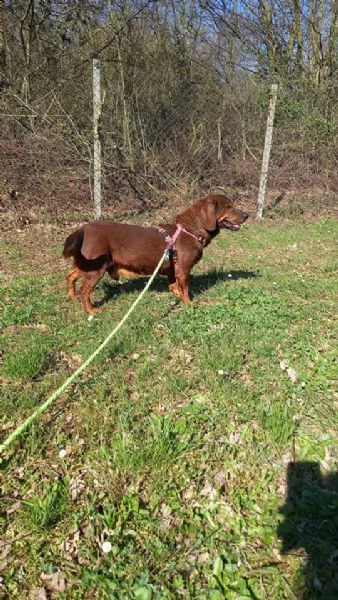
48 507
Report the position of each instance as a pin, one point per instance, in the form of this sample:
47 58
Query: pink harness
171 240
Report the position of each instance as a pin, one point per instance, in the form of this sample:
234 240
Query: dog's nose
246 216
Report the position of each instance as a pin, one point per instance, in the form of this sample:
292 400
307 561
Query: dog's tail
73 243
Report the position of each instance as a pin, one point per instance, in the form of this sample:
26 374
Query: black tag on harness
170 254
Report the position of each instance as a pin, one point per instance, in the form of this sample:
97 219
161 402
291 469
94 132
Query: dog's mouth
228 225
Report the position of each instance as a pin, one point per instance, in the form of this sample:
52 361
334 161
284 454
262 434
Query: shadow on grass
311 523
199 283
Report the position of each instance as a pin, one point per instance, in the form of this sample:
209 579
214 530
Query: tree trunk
316 48
299 37
4 57
331 56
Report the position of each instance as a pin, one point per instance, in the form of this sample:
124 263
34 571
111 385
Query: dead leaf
72 362
220 479
203 558
38 594
276 553
165 517
292 374
53 582
189 493
208 491
184 356
70 545
234 438
76 487
5 551
15 507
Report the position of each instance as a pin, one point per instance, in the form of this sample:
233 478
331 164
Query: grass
202 444
28 357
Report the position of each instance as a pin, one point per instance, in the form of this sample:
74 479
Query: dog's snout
245 216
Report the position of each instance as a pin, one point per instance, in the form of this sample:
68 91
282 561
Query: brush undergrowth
202 444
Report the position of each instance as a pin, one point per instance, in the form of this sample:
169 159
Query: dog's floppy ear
208 215
94 244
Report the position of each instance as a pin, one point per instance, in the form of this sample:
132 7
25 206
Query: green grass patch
28 357
48 506
201 445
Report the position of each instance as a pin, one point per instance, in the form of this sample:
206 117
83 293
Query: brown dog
122 249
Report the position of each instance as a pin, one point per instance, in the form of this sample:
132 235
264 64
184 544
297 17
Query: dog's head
218 212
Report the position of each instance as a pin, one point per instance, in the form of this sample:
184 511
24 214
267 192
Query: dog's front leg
182 283
173 285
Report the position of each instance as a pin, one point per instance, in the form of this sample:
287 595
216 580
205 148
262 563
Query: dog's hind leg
72 277
114 274
91 279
